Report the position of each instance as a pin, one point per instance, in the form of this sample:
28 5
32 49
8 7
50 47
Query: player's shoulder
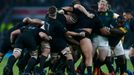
111 13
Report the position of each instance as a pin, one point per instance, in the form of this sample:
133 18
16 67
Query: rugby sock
11 61
30 65
117 66
132 60
97 65
109 64
70 66
122 63
42 62
89 70
23 62
9 66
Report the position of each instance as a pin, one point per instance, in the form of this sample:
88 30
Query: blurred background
13 11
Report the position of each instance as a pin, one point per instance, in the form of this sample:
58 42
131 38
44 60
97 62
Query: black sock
117 66
109 64
70 66
95 59
11 61
8 69
122 63
42 62
30 65
99 63
132 60
89 70
23 62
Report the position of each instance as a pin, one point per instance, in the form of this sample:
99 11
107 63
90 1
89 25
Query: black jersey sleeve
61 28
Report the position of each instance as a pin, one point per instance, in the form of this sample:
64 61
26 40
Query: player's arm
71 33
14 34
66 32
43 35
66 9
82 9
72 40
105 31
37 22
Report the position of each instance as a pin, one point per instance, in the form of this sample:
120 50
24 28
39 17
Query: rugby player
128 15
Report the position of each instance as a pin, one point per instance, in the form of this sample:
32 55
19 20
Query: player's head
52 11
27 20
128 14
103 5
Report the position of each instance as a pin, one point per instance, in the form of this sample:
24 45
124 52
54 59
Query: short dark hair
52 10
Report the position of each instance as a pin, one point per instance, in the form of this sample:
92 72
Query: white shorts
100 41
119 50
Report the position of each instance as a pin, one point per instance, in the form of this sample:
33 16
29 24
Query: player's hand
91 15
105 31
83 34
61 11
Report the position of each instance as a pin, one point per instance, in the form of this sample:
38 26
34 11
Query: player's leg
86 47
31 63
45 47
120 54
22 62
32 46
70 63
11 61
